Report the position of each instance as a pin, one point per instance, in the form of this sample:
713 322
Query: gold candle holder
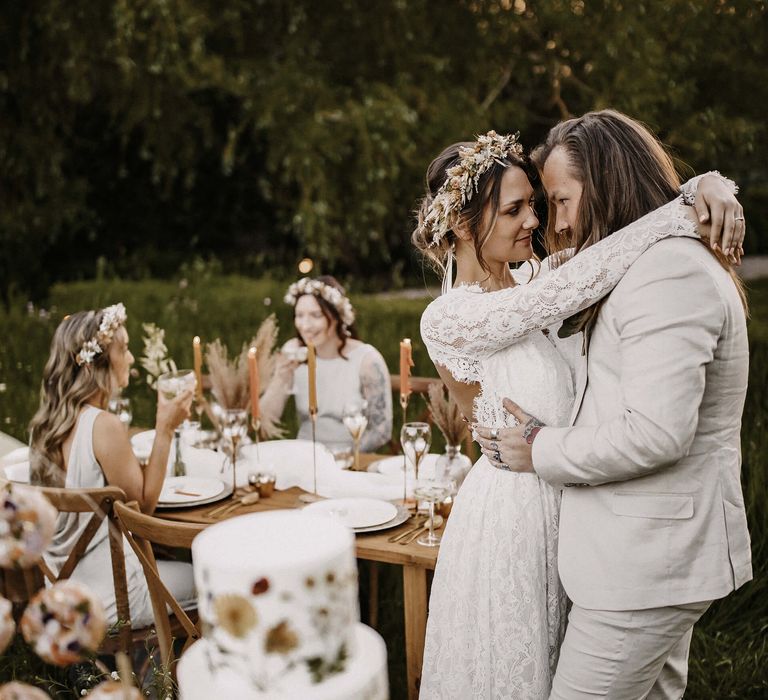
404 405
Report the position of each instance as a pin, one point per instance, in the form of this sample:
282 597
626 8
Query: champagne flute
234 427
170 385
415 439
432 492
355 421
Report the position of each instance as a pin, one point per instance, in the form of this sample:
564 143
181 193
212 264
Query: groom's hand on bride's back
510 448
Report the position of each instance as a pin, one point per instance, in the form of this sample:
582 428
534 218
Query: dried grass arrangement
446 414
229 378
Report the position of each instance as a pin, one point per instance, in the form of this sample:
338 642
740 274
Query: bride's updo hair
471 215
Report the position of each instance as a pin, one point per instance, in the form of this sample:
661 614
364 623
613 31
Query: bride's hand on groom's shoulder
510 449
716 206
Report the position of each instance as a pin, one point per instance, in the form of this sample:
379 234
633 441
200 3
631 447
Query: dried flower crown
112 318
462 180
319 289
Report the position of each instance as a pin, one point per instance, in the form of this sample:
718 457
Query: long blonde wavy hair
66 387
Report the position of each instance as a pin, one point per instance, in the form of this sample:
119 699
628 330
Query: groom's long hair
625 173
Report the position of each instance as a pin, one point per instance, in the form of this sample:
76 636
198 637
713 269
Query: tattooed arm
377 391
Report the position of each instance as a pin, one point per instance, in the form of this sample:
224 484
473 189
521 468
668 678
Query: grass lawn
729 655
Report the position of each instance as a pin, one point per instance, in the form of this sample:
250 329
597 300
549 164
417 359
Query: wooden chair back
142 531
100 502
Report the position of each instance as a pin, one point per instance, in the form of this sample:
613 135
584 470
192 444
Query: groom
652 525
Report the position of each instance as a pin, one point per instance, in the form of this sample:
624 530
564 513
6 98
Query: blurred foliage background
137 134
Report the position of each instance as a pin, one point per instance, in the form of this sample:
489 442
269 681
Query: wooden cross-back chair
99 502
142 531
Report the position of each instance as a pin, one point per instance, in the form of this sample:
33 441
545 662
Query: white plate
142 446
394 465
403 513
355 512
197 489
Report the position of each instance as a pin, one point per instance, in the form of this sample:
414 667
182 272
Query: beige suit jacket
652 511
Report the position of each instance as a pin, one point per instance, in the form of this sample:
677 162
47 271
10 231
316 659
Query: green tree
144 132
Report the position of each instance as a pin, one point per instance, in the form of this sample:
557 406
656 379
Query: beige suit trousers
626 655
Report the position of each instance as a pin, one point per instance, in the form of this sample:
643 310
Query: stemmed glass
170 385
355 421
432 492
234 427
415 439
121 407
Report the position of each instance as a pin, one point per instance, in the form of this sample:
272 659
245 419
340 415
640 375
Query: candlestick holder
312 497
404 405
256 425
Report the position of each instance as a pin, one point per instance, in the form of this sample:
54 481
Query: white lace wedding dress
497 611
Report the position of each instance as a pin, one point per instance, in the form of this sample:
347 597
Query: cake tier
363 678
277 596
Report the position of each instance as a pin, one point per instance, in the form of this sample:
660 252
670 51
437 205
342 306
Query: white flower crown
317 288
112 318
462 180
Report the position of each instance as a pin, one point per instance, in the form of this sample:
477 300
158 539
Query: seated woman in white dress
497 610
75 443
348 370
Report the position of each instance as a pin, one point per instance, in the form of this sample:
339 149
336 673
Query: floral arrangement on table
230 382
155 359
446 414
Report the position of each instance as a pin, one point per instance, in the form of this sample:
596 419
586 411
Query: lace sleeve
465 325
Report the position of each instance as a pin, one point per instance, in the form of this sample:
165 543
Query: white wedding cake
277 597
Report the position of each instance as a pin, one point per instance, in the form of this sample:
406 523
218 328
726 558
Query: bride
497 611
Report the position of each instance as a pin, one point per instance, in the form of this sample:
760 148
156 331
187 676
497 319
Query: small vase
453 465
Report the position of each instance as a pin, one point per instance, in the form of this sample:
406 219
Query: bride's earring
448 277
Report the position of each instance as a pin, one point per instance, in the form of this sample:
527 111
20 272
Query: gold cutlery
245 500
438 523
419 520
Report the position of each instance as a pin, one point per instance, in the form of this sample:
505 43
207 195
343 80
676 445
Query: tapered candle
253 378
406 362
198 356
312 371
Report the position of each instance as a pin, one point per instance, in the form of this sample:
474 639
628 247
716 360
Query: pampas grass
446 414
229 378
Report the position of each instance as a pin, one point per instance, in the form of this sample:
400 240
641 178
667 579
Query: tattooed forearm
374 379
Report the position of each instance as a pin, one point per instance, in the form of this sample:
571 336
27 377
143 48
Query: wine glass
355 421
432 492
234 427
121 407
170 385
415 439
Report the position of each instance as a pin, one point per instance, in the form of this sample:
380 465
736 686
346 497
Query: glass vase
452 465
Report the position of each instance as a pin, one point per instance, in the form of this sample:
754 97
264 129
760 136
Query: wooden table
415 559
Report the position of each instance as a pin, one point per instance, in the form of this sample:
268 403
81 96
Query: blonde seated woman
349 371
76 443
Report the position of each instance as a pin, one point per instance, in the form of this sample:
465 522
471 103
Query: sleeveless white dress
497 611
95 567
